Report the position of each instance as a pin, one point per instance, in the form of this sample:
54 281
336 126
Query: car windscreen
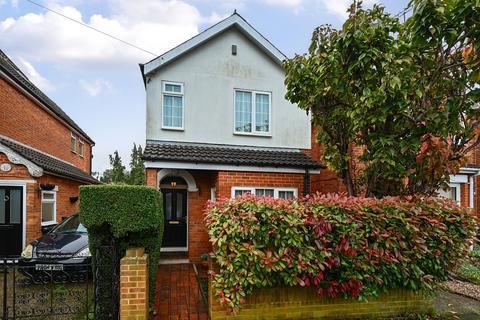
70 225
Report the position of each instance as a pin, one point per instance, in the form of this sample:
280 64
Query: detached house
218 125
44 158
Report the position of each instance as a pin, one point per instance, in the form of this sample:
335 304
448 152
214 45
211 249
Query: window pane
15 206
81 148
241 192
453 193
172 111
264 192
48 210
173 88
2 205
168 206
286 194
73 144
262 118
48 196
180 213
243 111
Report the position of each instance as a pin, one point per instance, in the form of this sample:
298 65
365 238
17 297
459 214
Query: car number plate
49 267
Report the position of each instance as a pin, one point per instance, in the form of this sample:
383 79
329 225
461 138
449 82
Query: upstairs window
252 112
172 111
73 143
81 146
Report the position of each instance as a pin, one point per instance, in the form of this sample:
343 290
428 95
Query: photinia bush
342 246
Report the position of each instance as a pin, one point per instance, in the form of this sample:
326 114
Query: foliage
342 246
470 268
137 167
117 174
404 94
130 215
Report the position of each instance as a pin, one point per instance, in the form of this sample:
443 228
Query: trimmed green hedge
131 216
342 246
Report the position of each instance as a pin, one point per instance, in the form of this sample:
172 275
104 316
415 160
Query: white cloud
34 76
286 3
156 26
95 88
339 7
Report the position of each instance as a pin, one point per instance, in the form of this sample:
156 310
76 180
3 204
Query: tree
137 167
405 94
116 173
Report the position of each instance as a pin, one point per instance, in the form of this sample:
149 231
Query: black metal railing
45 291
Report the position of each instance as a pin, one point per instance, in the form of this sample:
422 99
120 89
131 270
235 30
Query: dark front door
175 211
10 221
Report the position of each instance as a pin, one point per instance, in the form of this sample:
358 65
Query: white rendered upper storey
224 86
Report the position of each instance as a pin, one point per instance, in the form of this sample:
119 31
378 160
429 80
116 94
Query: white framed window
284 193
81 146
252 112
49 207
73 142
452 192
172 106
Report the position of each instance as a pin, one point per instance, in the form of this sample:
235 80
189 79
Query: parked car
64 248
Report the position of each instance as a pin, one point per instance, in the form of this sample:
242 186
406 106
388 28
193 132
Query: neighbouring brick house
44 158
218 126
464 187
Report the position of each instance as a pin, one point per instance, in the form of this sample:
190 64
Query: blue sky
96 80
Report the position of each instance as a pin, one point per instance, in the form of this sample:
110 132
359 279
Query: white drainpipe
471 187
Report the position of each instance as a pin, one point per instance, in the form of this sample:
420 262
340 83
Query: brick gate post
134 285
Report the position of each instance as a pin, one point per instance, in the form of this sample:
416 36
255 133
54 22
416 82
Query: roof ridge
233 20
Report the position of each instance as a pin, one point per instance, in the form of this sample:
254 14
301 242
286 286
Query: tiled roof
48 163
14 73
227 155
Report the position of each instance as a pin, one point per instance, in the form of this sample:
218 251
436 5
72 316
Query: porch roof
48 163
228 155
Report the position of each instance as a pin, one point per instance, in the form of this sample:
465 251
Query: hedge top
124 208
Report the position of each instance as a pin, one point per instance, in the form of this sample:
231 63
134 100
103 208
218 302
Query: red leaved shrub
342 246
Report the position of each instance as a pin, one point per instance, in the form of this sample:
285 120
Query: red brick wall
66 188
228 179
25 121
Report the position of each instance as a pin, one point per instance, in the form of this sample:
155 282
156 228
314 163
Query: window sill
173 129
48 223
254 134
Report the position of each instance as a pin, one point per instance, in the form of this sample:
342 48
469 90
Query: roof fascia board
222 167
43 106
233 20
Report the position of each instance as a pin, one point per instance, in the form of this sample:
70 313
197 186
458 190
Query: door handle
6 198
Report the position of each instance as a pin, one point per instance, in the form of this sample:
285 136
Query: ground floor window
49 207
284 193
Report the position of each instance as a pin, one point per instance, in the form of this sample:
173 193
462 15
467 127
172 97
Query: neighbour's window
81 147
452 192
49 207
284 193
73 143
172 111
252 112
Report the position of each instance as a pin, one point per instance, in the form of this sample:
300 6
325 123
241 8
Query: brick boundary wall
134 285
304 303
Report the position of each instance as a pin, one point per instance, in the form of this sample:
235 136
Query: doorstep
180 257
